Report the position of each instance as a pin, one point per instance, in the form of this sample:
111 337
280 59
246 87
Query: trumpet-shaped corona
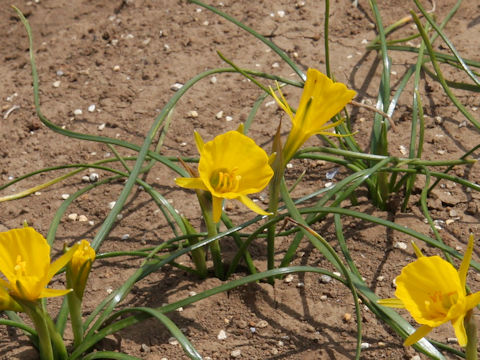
433 292
231 167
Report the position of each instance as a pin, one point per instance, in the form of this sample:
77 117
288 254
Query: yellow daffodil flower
433 292
321 100
79 267
25 263
231 167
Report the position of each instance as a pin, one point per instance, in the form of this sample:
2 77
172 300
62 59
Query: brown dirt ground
156 43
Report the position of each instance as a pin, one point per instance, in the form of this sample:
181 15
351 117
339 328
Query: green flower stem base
36 313
471 330
74 306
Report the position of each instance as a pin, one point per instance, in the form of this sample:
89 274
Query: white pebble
94 177
289 166
403 149
192 114
72 216
91 223
125 236
222 335
82 218
261 324
166 47
205 23
281 13
173 341
192 293
85 178
111 204
77 112
116 68
109 290
452 340
400 245
236 353
380 278
288 278
176 86
364 345
270 103
91 108
101 126
275 65
323 297
56 84
213 79
300 285
65 196
416 357
325 279
119 217
180 309
364 41
219 114
228 118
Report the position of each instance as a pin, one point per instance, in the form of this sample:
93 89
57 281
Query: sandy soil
116 61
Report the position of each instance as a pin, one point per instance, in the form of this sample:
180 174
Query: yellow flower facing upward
321 100
25 263
231 167
433 292
79 267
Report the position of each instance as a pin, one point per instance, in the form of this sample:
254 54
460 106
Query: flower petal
418 252
54 292
191 183
198 141
460 332
462 271
421 332
61 262
217 204
245 200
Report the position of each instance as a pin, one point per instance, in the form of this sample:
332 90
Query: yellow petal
393 303
462 271
460 332
54 292
217 204
191 183
7 302
198 142
61 262
418 252
421 332
472 300
251 205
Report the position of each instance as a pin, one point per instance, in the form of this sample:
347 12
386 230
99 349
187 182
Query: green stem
35 312
214 245
471 329
74 306
60 351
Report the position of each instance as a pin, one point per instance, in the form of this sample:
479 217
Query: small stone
37 193
109 290
175 87
458 248
65 196
452 213
91 108
116 68
192 114
253 330
380 278
280 343
449 221
289 166
416 357
111 204
400 245
452 340
347 317
91 223
77 112
403 150
82 218
323 297
72 216
288 278
219 115
236 353
94 177
56 84
381 344
394 282
228 118
180 309
275 65
213 79
125 236
325 279
300 285
86 178
281 13
101 126
262 324
338 274
222 335
364 345
144 348
173 341
119 217
60 73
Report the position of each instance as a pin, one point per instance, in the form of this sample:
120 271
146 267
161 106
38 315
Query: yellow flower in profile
79 267
321 100
231 167
25 263
433 292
